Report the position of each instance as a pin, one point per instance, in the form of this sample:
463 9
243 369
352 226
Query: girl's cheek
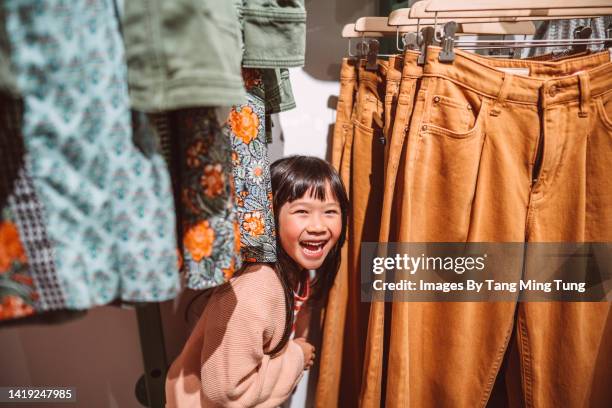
338 227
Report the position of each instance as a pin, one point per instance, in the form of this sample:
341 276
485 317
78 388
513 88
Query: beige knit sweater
223 363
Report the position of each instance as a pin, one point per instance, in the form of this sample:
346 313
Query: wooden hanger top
401 17
378 27
499 28
475 5
377 24
517 10
348 31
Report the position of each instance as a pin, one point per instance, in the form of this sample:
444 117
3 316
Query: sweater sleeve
235 372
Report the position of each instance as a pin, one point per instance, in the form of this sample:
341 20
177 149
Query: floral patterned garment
251 168
28 279
17 293
104 189
210 234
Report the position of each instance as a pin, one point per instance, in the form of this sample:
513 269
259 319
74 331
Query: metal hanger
503 10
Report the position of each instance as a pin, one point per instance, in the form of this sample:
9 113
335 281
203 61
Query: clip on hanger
448 42
411 41
428 35
362 49
608 42
372 55
581 33
349 32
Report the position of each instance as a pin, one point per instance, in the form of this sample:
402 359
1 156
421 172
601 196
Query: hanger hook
397 30
435 21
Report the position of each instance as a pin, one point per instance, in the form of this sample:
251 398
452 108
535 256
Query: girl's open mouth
313 249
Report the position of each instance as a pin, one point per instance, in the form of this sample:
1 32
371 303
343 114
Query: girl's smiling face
309 228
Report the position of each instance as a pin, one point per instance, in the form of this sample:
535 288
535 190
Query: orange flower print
199 240
193 152
251 78
235 158
237 244
253 223
256 173
13 307
11 249
213 180
229 271
239 198
244 124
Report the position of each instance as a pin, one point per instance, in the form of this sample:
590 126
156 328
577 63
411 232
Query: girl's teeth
314 252
312 248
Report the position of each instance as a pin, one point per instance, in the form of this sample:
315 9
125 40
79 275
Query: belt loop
502 95
544 94
585 94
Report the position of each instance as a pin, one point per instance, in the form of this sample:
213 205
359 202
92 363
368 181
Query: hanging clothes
335 311
251 168
274 33
461 156
199 67
365 159
198 150
183 54
560 29
93 195
18 293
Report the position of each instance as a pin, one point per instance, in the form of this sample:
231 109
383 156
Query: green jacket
183 53
187 53
274 33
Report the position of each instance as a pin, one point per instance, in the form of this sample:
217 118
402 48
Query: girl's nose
316 228
316 225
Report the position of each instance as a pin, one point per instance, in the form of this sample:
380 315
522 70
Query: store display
165 64
453 131
92 201
135 149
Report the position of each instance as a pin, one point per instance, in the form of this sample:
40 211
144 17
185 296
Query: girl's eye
331 212
300 212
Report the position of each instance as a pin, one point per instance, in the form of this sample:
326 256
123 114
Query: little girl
240 353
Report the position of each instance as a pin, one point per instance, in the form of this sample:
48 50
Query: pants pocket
452 108
443 181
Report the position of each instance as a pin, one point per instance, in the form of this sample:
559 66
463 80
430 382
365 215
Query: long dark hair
292 178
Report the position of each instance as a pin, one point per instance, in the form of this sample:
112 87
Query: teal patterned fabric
104 188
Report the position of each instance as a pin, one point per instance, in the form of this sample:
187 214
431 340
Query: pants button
552 91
